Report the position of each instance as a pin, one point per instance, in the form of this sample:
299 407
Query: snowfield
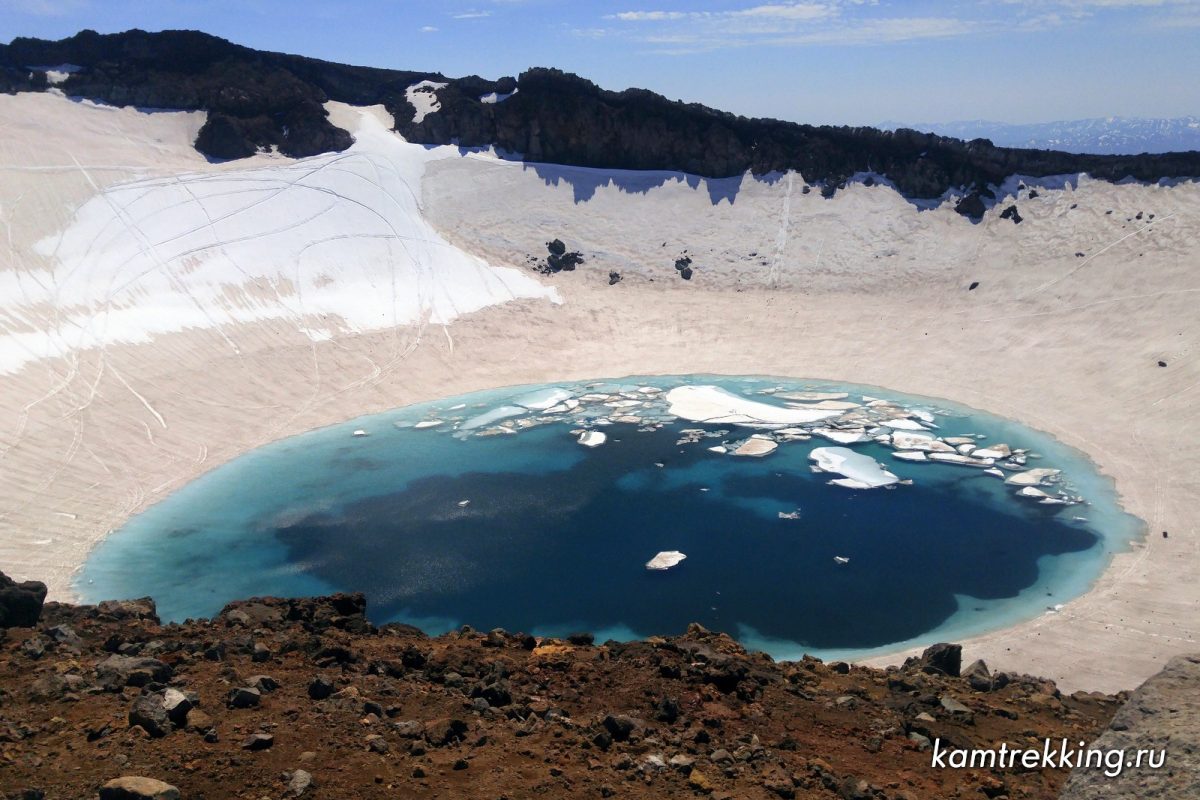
332 243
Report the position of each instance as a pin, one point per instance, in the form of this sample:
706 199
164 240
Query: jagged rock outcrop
1163 715
258 99
20 603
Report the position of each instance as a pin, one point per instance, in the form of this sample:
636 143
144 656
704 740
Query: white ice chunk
593 438
542 399
756 445
860 469
495 415
1031 477
715 405
851 436
903 424
665 560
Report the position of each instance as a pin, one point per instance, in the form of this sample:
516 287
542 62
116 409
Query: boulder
441 732
978 675
244 697
20 603
263 683
942 658
149 714
299 782
971 207
118 671
134 787
177 705
622 726
320 688
258 741
142 608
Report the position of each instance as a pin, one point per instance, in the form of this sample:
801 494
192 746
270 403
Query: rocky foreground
306 698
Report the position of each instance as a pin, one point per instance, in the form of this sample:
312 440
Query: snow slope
334 243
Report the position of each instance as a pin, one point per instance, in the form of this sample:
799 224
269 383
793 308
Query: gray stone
149 714
299 782
978 676
1162 714
118 671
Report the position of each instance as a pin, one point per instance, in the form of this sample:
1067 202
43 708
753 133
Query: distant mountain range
1100 136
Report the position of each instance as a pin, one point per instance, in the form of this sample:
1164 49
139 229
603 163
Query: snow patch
423 97
491 98
336 241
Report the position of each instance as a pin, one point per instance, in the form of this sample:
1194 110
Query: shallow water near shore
443 525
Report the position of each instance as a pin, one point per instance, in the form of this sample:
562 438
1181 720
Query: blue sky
821 61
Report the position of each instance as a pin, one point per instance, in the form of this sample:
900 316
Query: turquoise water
497 517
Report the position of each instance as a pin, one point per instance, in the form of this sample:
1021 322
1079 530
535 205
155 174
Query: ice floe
757 445
543 399
592 438
665 560
715 405
1032 477
589 408
859 471
495 415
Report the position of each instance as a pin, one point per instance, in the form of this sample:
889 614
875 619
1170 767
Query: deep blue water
554 536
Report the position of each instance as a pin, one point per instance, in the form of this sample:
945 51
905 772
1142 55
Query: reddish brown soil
473 715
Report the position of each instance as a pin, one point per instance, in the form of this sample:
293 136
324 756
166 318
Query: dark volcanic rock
690 715
260 100
20 603
941 658
258 741
149 714
118 671
244 697
1011 213
971 206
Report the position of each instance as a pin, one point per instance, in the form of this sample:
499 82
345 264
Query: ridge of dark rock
258 99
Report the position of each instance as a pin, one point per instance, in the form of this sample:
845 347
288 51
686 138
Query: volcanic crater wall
257 100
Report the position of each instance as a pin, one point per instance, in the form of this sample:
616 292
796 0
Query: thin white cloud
650 16
781 24
428 29
43 8
472 15
778 11
1107 3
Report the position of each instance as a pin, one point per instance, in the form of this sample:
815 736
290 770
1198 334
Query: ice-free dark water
534 532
